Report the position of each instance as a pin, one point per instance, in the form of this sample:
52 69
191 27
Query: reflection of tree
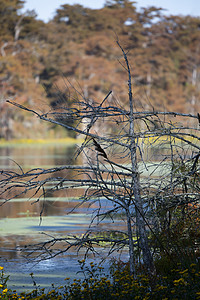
5 153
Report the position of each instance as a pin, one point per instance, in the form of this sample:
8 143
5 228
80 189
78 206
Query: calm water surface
20 219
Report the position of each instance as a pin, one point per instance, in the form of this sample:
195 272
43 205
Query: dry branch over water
144 163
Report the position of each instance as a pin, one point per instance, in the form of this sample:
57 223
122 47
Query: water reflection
33 156
20 222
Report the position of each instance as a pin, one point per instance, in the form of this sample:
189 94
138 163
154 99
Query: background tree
9 17
79 43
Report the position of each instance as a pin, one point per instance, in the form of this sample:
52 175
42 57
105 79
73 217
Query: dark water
20 220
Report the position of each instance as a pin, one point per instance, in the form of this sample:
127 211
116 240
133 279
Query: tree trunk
135 186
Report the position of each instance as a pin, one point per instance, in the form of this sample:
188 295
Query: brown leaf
100 149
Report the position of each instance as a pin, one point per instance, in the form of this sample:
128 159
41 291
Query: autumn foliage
79 44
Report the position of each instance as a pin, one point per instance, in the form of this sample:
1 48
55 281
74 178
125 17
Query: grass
20 142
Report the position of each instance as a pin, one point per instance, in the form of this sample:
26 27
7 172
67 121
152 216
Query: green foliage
178 241
9 16
176 284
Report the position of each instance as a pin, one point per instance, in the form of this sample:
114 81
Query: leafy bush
119 284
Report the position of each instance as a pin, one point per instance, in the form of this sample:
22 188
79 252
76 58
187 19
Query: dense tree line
79 44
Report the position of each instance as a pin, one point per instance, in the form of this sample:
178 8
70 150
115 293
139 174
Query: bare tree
146 174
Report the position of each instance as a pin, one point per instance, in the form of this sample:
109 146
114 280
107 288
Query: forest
41 63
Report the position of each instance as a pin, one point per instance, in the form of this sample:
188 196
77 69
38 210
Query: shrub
119 284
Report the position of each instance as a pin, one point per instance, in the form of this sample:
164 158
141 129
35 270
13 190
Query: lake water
20 219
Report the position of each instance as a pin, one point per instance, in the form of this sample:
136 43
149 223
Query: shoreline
48 141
